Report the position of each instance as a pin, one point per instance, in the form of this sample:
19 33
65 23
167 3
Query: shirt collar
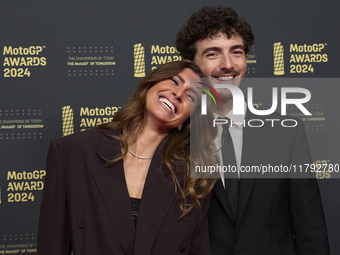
236 119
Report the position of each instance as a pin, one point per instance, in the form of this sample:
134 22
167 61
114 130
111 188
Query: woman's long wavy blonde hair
130 122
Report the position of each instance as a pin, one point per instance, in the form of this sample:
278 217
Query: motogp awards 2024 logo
303 58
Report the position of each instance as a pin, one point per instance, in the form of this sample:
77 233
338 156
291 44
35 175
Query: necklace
140 157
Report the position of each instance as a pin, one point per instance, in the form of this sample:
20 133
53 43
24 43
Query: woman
124 188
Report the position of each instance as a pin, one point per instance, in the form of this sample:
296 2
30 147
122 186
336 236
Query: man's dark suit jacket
279 216
86 206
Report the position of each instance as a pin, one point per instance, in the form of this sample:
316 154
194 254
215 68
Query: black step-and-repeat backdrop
70 65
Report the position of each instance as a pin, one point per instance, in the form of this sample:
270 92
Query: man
281 216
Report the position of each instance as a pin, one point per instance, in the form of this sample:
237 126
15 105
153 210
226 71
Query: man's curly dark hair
208 22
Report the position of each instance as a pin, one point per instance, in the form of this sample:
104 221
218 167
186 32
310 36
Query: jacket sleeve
307 216
200 243
54 236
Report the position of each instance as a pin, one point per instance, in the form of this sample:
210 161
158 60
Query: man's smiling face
223 59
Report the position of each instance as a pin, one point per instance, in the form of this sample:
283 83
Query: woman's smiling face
168 102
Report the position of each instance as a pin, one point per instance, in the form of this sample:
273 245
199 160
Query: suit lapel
221 195
254 143
111 184
158 195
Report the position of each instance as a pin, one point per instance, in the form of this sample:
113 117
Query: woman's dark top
135 208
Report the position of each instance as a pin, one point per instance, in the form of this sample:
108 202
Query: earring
179 128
